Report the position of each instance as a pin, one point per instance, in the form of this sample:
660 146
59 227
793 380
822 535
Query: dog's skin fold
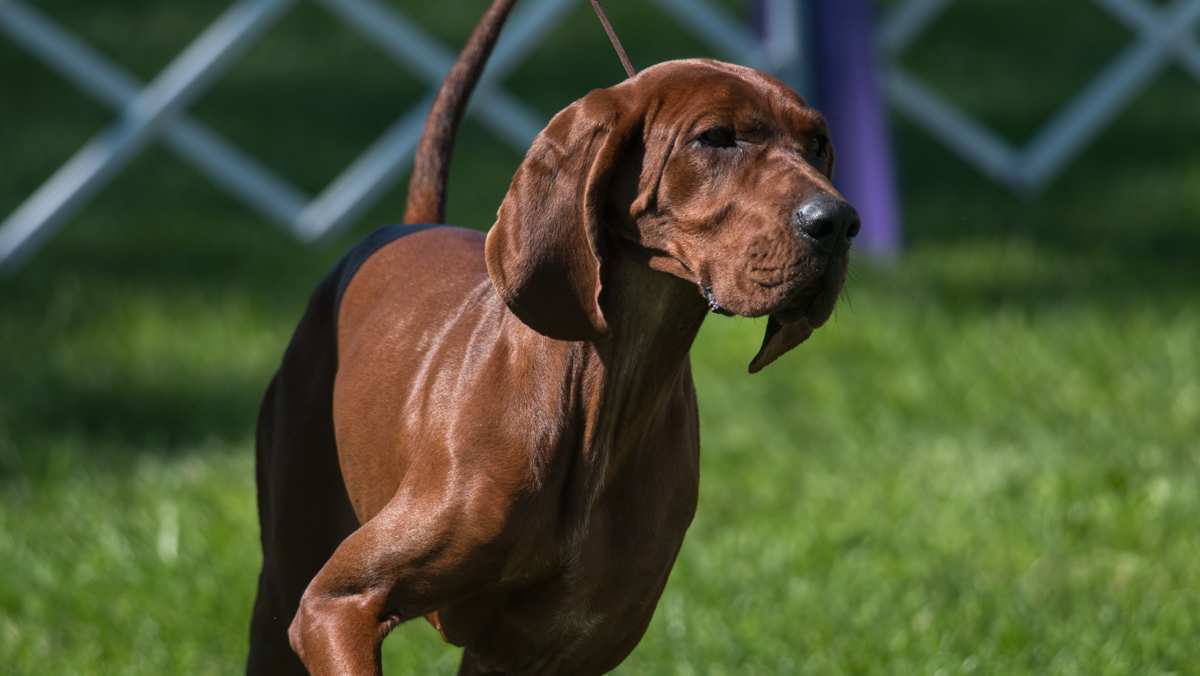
502 434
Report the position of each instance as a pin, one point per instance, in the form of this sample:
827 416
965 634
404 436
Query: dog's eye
718 137
818 146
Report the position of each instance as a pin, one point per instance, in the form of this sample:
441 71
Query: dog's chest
593 604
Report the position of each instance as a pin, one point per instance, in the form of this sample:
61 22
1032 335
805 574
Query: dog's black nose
827 220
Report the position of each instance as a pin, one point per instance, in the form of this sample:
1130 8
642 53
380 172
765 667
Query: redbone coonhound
500 433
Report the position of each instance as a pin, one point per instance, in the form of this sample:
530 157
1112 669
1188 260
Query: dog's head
711 172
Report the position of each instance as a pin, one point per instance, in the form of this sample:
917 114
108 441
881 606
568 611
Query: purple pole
847 85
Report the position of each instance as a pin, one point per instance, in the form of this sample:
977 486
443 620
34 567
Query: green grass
987 463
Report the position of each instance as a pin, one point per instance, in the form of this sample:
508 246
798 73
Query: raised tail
427 185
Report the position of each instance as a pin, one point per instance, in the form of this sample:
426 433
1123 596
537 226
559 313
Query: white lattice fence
1162 36
157 110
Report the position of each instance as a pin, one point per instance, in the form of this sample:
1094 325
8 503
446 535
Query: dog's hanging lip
786 328
778 339
792 315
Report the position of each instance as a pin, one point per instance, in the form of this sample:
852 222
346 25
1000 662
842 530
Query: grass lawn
987 463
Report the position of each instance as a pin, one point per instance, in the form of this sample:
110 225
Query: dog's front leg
411 558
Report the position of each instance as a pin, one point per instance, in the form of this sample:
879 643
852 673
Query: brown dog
501 434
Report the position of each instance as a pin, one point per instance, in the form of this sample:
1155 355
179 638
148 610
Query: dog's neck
632 373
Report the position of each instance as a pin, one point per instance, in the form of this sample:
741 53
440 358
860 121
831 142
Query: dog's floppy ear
544 252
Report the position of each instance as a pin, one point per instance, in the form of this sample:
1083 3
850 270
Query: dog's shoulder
369 246
396 264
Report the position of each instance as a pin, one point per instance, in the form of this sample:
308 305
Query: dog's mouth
802 296
714 305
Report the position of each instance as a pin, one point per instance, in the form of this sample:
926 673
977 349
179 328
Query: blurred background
986 463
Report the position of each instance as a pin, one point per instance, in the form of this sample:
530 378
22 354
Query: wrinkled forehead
698 92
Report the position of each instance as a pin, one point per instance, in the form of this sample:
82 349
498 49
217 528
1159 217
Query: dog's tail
427 186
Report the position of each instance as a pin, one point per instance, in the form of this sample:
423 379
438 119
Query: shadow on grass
166 416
